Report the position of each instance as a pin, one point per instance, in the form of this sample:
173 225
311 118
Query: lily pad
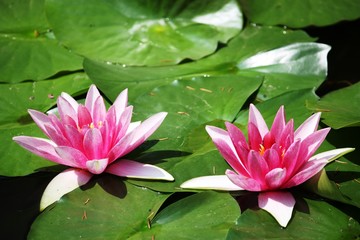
110 209
300 13
206 215
341 108
234 59
144 32
28 43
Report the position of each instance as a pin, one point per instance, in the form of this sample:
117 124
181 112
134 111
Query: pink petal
62 184
308 127
132 126
310 144
97 166
74 104
332 154
124 123
216 182
255 139
278 124
98 113
256 118
287 136
226 148
245 183
290 160
84 116
56 136
137 136
93 144
72 155
67 106
279 204
257 166
120 103
132 169
40 119
272 158
306 172
74 137
43 148
92 95
239 141
275 178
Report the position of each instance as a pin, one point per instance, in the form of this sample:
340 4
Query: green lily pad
312 219
14 120
110 209
144 33
341 108
300 13
231 60
206 215
27 43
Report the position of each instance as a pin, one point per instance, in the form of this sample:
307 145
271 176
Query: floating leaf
341 108
144 32
27 43
206 215
232 60
300 13
111 209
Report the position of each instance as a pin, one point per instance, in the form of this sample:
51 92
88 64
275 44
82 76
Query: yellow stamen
91 125
261 149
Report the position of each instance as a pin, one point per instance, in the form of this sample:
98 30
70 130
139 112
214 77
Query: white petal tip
62 184
216 182
132 169
279 204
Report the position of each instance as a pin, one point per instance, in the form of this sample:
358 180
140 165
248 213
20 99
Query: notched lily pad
144 32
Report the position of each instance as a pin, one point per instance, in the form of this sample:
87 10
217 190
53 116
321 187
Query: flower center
261 149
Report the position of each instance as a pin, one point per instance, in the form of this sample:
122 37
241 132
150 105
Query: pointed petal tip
331 155
133 169
279 204
215 182
63 183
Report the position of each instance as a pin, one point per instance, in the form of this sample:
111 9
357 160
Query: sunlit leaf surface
28 47
144 32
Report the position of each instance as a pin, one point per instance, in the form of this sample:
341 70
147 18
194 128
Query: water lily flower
91 141
270 162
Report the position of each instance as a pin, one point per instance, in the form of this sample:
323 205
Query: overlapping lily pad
284 68
300 13
29 49
144 32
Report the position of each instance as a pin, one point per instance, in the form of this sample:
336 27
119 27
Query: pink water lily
91 141
270 162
